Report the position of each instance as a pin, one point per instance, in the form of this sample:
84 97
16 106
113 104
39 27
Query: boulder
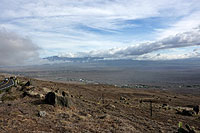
46 90
31 93
26 88
57 99
185 112
196 109
42 113
28 83
50 98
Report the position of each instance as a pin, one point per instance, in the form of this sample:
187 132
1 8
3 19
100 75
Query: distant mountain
100 61
79 59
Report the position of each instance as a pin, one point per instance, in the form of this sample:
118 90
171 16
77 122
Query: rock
196 109
82 117
57 91
27 88
50 98
110 106
104 116
42 113
82 113
41 96
89 115
56 99
33 94
23 88
187 130
65 93
169 120
127 103
122 98
190 130
78 117
185 112
46 90
28 83
164 104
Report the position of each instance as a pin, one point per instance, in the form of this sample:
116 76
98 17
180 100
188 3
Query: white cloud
185 24
105 15
169 56
186 39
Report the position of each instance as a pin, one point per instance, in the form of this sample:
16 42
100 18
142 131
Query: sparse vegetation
96 108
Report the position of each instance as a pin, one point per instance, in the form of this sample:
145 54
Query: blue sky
135 29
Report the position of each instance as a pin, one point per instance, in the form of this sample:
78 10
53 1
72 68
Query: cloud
100 14
169 56
66 17
95 25
16 50
185 24
181 40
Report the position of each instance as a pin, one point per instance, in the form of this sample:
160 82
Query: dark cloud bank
16 50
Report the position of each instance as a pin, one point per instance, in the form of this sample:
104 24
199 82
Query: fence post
151 108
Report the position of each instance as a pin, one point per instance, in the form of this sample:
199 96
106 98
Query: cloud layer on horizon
137 51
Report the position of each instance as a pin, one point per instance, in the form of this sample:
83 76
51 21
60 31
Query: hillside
94 108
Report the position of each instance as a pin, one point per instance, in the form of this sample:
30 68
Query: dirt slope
95 108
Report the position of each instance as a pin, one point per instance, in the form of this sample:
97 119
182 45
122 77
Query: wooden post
151 108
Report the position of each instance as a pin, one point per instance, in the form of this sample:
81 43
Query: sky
113 29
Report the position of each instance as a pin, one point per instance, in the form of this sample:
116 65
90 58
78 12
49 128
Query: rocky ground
94 108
